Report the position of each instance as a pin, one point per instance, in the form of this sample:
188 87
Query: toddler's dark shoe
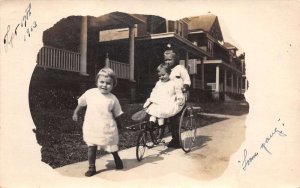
119 163
90 172
152 126
174 144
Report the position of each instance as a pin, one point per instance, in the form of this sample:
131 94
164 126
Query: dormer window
180 28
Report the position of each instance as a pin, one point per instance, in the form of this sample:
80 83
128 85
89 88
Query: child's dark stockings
92 160
118 161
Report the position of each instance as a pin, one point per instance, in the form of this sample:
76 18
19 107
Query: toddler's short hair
170 52
173 53
107 72
164 67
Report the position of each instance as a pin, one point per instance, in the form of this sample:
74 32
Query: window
210 47
179 28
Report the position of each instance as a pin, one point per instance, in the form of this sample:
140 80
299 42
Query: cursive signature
23 28
247 161
9 36
268 139
26 16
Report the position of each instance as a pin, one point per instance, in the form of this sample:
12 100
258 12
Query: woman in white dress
166 98
100 127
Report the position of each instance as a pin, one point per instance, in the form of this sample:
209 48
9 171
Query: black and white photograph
149 94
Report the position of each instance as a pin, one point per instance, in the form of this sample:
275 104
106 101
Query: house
76 48
224 72
72 54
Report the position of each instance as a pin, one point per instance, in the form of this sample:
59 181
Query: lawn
61 138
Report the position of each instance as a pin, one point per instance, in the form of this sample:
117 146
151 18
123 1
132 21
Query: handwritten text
23 29
249 159
268 139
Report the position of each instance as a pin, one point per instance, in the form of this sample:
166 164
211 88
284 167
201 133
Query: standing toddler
100 127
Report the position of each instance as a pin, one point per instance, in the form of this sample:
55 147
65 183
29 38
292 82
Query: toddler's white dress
99 127
164 99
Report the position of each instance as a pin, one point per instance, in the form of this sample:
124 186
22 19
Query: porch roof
177 41
224 64
115 20
229 46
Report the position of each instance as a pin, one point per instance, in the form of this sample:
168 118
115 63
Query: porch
224 80
65 60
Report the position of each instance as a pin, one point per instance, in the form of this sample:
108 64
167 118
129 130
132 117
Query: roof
203 22
175 40
115 20
229 46
144 17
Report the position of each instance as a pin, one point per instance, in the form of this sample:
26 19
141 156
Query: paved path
215 144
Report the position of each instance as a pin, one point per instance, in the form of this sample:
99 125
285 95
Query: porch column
246 85
231 82
167 26
83 46
106 60
187 61
202 73
217 78
131 62
237 84
131 53
225 80
241 84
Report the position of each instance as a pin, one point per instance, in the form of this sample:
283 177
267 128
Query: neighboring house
224 72
132 44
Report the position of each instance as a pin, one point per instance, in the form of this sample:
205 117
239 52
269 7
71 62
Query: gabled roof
115 20
203 22
208 23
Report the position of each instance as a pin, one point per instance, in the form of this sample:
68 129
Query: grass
61 138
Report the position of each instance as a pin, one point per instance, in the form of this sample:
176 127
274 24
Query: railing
212 86
54 58
221 87
233 89
228 89
121 69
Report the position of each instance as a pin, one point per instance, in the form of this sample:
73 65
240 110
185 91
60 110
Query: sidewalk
214 145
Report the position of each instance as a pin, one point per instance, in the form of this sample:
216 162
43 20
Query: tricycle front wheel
187 129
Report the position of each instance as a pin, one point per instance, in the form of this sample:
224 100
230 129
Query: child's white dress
164 99
180 74
99 127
